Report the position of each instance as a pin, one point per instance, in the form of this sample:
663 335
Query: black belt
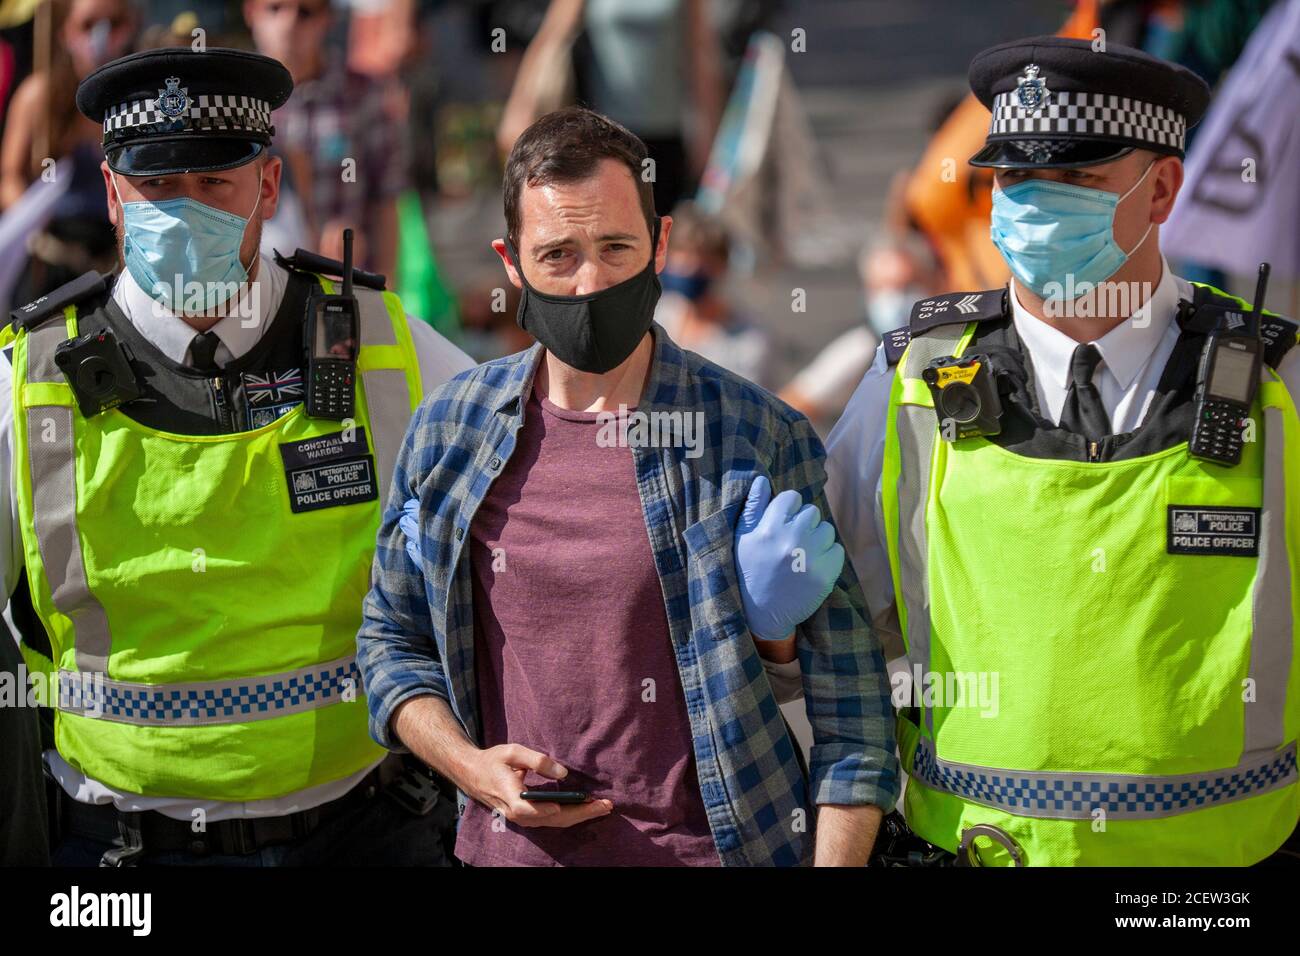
132 833
897 845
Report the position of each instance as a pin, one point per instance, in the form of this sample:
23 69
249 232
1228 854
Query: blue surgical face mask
1047 230
692 285
171 245
889 309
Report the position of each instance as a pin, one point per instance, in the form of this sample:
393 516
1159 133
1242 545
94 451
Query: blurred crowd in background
404 110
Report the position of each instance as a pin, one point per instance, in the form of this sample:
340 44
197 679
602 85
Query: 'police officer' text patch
1220 531
329 470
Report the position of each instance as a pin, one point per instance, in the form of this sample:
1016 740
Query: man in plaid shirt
575 605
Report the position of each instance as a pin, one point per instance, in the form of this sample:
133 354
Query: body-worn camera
98 367
965 396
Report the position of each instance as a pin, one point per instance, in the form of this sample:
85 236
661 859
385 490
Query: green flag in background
419 282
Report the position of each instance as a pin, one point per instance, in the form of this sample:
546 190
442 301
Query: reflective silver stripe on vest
917 431
51 453
388 399
1077 796
235 701
1272 626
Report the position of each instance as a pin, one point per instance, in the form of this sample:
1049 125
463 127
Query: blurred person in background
653 66
43 124
487 316
694 309
381 36
184 26
1207 37
17 38
345 149
735 22
949 202
895 273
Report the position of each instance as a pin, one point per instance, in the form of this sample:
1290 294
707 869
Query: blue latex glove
780 590
409 522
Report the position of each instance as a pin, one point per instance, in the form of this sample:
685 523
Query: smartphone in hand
555 796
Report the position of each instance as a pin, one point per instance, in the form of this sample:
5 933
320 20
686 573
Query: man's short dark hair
566 147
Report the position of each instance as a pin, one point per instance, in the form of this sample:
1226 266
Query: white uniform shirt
438 359
1134 355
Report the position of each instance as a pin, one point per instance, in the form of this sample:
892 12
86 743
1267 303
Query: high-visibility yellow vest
1146 697
202 594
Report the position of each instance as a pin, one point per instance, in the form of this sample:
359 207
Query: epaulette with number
34 313
958 307
944 310
895 343
1208 309
304 261
1279 337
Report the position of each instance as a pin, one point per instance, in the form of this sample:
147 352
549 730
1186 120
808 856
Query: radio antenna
1261 286
347 261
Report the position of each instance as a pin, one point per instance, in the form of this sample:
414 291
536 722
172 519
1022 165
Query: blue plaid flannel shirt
418 631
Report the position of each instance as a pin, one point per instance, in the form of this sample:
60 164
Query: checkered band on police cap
209 112
1089 114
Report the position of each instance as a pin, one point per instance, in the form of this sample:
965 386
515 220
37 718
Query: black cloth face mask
594 332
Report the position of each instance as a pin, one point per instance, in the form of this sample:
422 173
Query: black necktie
203 351
1083 412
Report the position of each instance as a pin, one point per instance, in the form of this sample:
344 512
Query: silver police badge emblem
1038 150
173 101
1032 91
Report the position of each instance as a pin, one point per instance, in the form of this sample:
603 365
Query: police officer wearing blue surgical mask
187 540
1022 490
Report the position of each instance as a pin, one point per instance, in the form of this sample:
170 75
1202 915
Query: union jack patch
273 388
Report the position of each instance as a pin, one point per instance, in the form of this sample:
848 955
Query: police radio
331 336
1226 381
98 369
965 396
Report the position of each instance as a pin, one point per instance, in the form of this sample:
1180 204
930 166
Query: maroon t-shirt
573 657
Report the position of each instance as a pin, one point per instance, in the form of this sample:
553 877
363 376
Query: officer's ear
271 168
1168 175
110 189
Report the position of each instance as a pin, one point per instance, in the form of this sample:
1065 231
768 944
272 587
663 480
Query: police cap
1060 103
176 110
